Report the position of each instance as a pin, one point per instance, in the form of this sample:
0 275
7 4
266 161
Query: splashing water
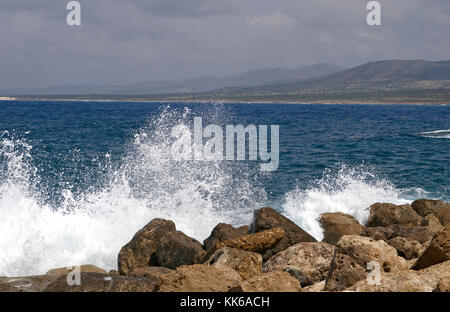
345 189
92 226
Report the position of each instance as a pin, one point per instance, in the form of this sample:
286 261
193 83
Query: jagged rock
223 232
415 233
384 214
344 272
271 282
199 278
150 272
432 223
83 268
364 250
175 249
246 263
338 224
141 250
439 208
96 282
268 218
310 260
406 248
26 284
438 251
318 287
258 242
407 281
443 285
378 233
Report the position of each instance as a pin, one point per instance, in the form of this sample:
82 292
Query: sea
79 178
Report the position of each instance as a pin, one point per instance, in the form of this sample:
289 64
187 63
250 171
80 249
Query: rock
223 232
318 287
432 223
339 224
439 208
26 284
415 233
199 278
311 260
383 214
364 250
271 282
406 248
96 282
443 285
268 218
258 242
83 268
407 281
378 233
247 264
344 272
141 250
438 251
150 272
175 249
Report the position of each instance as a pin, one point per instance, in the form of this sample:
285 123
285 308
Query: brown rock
258 242
344 272
141 250
95 282
383 214
150 272
271 282
223 232
438 251
439 208
364 250
199 278
443 285
268 218
25 284
338 224
175 249
432 223
406 248
318 287
311 260
84 268
247 264
378 233
415 233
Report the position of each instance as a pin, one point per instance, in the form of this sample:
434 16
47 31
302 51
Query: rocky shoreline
401 248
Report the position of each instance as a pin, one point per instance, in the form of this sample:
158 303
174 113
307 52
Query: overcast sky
123 41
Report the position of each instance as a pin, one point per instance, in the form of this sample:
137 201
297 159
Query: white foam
346 189
438 134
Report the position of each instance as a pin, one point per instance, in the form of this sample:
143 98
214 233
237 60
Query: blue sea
78 179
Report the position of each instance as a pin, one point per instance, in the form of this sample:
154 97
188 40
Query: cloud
273 21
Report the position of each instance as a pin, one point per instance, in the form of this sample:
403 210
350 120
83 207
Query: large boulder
415 233
271 282
223 232
378 233
87 268
426 280
246 263
437 251
175 249
258 242
141 250
365 250
310 260
268 218
432 223
96 282
200 278
150 272
26 284
384 214
344 272
338 224
438 208
408 249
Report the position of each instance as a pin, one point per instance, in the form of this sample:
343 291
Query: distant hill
201 84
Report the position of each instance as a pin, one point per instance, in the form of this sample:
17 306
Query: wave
439 134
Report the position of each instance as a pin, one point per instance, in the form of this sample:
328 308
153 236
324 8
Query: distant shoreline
143 100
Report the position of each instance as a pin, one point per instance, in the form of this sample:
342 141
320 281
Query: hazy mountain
201 84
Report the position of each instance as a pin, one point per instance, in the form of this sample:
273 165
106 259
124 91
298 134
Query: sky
126 41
